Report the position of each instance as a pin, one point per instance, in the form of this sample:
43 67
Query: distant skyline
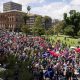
52 8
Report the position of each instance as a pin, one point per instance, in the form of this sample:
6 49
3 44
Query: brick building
11 19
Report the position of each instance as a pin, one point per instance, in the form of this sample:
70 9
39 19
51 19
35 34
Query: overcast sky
52 8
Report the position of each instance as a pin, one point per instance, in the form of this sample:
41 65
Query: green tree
65 16
50 31
25 17
14 64
38 28
78 33
47 20
69 30
25 29
73 19
58 27
28 9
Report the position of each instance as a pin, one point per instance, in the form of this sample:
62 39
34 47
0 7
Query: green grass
69 40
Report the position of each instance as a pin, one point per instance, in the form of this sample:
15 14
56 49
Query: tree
58 27
47 20
28 12
38 28
65 16
25 29
78 33
28 9
50 31
69 30
25 17
41 31
17 66
74 20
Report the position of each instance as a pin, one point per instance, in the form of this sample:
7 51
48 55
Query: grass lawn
68 40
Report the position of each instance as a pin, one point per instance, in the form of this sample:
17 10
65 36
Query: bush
69 30
78 33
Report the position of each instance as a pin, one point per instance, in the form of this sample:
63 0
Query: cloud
1 7
28 1
52 9
41 1
75 2
25 3
57 9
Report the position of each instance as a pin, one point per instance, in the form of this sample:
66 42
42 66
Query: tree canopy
38 28
28 8
72 21
25 29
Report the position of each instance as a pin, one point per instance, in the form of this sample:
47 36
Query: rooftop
12 2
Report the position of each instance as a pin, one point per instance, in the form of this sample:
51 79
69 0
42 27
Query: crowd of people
48 62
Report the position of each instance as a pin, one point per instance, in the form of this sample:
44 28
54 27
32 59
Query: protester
54 63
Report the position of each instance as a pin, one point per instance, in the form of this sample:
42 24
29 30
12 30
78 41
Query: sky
53 8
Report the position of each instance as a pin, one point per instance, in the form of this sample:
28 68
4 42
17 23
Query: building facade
12 17
31 20
12 6
11 20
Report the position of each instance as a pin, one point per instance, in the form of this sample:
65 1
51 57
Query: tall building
12 6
